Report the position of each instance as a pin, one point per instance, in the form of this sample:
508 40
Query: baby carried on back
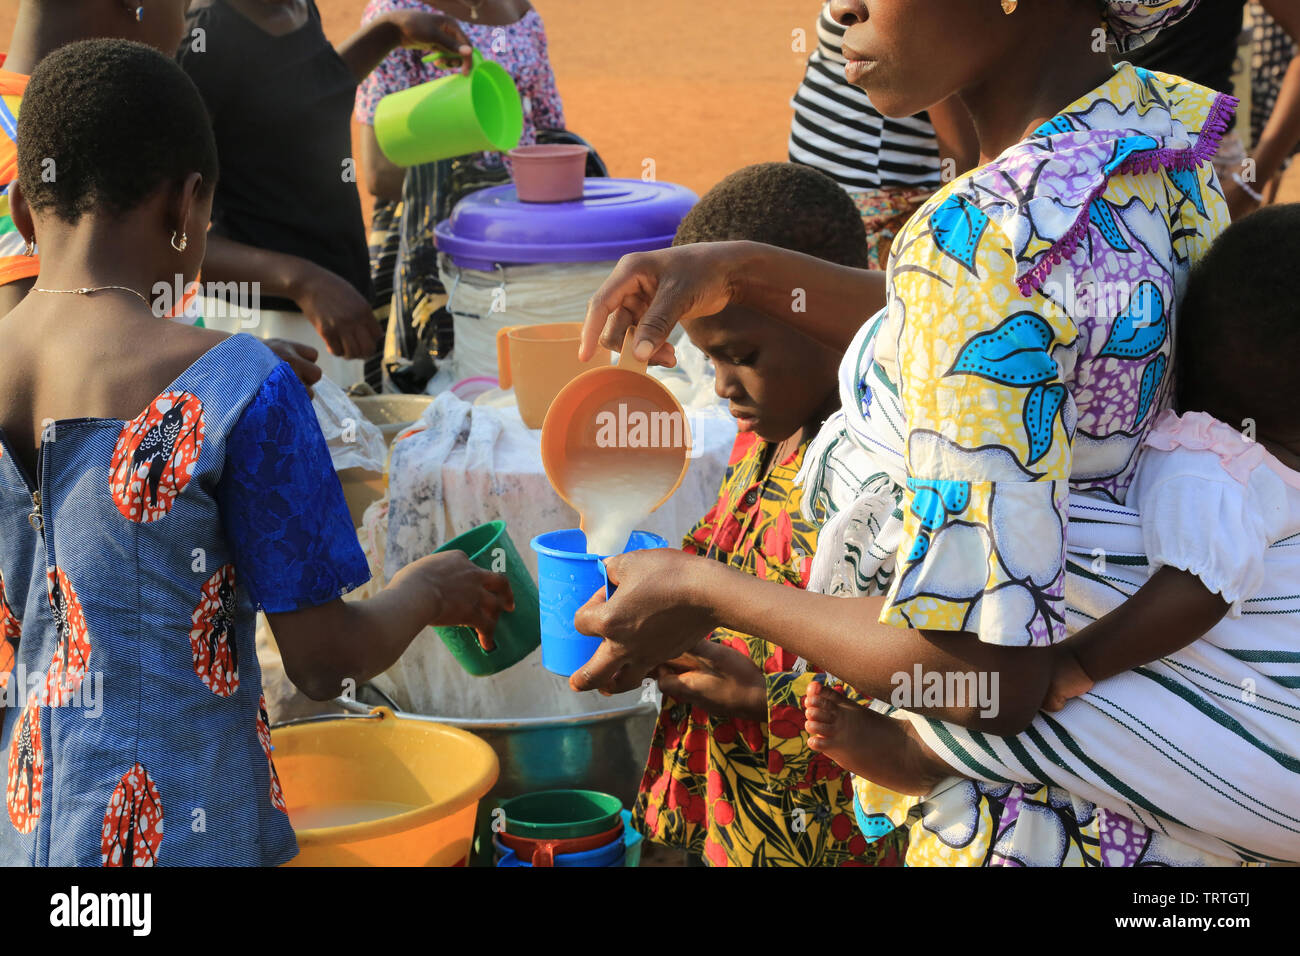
1194 737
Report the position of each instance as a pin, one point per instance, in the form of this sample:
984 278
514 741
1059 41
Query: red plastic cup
543 852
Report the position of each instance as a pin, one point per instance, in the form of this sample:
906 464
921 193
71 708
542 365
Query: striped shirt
837 131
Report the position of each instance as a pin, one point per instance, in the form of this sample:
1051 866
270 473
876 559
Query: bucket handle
504 378
355 711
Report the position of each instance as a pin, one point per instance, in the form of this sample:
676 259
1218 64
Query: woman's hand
366 49
328 646
339 312
717 678
462 594
301 358
654 291
657 613
434 31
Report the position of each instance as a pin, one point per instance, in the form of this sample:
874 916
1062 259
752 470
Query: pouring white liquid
614 499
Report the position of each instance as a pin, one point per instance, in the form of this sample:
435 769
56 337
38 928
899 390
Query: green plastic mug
451 116
518 632
561 814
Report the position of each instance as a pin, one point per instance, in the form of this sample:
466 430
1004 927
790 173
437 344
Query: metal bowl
604 750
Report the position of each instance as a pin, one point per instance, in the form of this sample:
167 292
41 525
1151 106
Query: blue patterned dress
132 723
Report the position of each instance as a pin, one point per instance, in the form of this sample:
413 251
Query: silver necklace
99 288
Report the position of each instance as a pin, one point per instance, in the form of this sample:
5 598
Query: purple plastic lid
614 217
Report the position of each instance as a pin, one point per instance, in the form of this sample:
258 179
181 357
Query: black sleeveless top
282 111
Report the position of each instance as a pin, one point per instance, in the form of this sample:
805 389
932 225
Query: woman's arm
384 179
278 274
366 49
1282 131
339 312
655 291
354 640
296 575
666 601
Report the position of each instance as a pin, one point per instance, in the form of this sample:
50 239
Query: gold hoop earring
1009 6
182 244
30 249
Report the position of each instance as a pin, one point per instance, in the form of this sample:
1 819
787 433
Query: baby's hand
717 678
1068 679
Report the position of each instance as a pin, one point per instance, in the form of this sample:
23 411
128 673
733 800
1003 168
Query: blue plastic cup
567 577
614 854
631 841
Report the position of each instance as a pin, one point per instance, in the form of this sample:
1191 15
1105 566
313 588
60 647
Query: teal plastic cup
518 632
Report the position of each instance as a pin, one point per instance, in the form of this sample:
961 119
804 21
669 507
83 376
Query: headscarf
1131 23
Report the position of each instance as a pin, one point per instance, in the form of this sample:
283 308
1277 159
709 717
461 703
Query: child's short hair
1238 334
780 204
104 123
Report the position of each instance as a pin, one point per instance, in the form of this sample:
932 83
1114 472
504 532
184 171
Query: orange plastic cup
538 361
624 398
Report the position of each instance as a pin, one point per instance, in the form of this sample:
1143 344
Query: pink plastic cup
548 173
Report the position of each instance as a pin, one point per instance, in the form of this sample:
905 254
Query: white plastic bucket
481 303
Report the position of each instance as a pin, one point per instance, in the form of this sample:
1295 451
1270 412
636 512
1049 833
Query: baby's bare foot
884 750
840 729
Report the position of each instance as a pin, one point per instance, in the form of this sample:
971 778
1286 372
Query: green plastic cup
451 116
561 814
519 631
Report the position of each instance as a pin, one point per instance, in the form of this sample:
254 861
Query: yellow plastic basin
415 785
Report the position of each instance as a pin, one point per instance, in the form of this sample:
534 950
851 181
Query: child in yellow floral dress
730 777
